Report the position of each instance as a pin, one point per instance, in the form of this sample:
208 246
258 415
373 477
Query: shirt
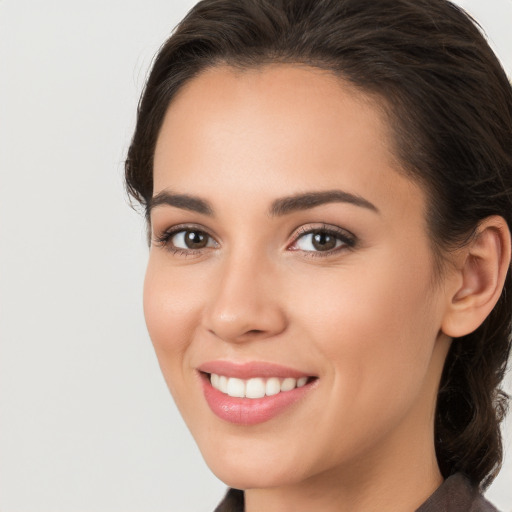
455 494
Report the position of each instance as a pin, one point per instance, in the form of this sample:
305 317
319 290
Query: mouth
257 387
252 393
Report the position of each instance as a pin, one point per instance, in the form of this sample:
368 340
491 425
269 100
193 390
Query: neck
397 481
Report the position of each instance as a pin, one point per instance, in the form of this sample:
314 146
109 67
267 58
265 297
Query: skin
366 320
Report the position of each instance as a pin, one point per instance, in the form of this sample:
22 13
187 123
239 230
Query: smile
256 387
252 393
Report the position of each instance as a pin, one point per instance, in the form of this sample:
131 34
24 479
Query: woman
328 190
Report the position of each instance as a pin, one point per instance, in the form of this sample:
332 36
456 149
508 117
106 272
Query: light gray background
86 422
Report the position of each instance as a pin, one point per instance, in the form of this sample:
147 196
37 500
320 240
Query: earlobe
485 262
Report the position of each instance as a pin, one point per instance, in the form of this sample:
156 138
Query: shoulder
482 505
232 502
456 494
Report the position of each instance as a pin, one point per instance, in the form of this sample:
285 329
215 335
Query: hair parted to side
449 106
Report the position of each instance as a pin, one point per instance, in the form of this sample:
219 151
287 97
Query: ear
481 271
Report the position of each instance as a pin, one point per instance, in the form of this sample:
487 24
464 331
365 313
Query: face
290 291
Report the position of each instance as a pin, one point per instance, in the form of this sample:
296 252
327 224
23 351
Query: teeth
223 384
256 387
288 384
273 386
236 387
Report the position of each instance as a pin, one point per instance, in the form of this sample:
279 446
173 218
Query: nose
244 302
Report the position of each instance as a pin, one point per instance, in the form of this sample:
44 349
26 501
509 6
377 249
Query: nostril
250 333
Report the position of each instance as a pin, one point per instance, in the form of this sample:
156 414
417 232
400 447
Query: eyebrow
279 207
183 201
308 200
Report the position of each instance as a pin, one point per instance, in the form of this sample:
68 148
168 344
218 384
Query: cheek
375 331
171 310
377 327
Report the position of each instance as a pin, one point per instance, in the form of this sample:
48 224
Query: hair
449 107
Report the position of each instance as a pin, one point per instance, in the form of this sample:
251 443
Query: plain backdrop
86 422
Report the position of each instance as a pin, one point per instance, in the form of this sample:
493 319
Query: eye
323 240
185 240
190 239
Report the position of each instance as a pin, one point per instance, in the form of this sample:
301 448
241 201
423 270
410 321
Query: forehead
249 105
276 127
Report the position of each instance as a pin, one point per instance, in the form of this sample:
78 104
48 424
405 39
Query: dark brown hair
449 106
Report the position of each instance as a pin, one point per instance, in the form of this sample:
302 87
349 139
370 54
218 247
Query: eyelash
348 240
164 240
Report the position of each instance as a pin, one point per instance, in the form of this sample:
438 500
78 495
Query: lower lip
250 411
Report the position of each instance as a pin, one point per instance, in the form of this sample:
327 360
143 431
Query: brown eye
191 239
323 241
195 239
185 240
319 241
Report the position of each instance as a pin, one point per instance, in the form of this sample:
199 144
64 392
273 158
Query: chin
242 475
254 469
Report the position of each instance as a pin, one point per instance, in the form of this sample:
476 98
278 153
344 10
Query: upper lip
250 369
